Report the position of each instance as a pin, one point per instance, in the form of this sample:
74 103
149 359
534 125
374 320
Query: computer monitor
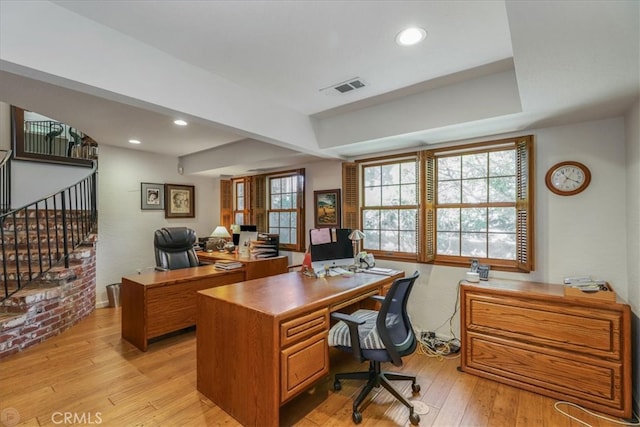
336 252
236 236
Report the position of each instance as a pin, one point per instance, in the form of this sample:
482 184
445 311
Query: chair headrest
174 238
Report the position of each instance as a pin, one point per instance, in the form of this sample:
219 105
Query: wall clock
568 178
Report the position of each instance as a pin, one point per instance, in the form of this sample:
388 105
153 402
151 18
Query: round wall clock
568 178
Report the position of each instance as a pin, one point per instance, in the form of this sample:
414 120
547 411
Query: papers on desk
380 271
227 265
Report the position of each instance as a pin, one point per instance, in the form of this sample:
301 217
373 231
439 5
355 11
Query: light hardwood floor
91 376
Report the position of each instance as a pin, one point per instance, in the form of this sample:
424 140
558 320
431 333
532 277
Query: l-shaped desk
262 342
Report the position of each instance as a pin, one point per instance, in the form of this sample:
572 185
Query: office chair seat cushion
369 338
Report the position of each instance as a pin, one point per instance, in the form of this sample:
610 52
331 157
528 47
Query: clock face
568 178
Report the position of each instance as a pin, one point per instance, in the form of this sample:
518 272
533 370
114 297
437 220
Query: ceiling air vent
346 86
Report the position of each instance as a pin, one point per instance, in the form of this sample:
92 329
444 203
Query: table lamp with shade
218 238
356 237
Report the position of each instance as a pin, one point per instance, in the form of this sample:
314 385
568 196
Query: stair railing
5 182
42 234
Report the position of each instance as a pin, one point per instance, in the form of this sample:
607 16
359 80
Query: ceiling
254 78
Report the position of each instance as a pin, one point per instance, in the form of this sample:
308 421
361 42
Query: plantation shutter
300 224
259 202
350 196
428 201
226 203
524 204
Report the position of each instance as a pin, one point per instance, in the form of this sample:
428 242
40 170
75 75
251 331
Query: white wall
125 232
31 181
581 234
632 133
5 126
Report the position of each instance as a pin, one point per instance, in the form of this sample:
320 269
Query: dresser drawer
302 327
587 330
553 373
303 364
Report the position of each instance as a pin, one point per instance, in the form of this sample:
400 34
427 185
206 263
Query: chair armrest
352 323
379 298
348 319
161 269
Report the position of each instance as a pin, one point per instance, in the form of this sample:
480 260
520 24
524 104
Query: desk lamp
221 234
356 236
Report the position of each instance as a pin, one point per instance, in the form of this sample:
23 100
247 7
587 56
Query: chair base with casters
375 378
379 336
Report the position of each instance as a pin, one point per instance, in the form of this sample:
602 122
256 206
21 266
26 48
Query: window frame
427 195
246 211
381 162
257 203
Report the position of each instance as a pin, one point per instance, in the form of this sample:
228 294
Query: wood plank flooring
88 375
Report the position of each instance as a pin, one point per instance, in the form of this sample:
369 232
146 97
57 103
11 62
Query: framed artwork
151 196
327 208
181 201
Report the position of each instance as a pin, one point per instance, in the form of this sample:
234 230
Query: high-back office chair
174 248
379 336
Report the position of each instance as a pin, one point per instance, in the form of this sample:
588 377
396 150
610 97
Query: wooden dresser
533 336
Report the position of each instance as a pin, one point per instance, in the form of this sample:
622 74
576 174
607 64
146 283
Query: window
449 205
273 202
283 204
240 201
390 206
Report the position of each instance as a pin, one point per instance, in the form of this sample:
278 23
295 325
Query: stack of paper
227 265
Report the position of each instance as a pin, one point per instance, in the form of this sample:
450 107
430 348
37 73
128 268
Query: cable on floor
624 423
440 349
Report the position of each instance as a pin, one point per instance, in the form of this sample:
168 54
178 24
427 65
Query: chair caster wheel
415 388
414 419
337 386
356 417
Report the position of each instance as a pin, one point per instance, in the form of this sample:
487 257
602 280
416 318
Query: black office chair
174 248
378 336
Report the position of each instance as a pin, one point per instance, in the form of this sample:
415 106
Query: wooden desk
255 268
533 336
262 342
156 303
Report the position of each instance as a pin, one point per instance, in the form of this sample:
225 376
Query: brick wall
58 301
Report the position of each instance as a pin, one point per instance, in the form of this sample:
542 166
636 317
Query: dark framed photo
181 201
327 208
151 196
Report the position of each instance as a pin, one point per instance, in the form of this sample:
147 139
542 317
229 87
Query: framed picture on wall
151 196
327 208
181 201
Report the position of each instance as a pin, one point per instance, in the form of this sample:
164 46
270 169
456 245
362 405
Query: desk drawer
302 327
355 300
303 364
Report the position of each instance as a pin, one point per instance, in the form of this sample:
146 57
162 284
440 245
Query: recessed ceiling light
134 141
411 36
180 122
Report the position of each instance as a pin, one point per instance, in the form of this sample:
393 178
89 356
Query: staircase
47 265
